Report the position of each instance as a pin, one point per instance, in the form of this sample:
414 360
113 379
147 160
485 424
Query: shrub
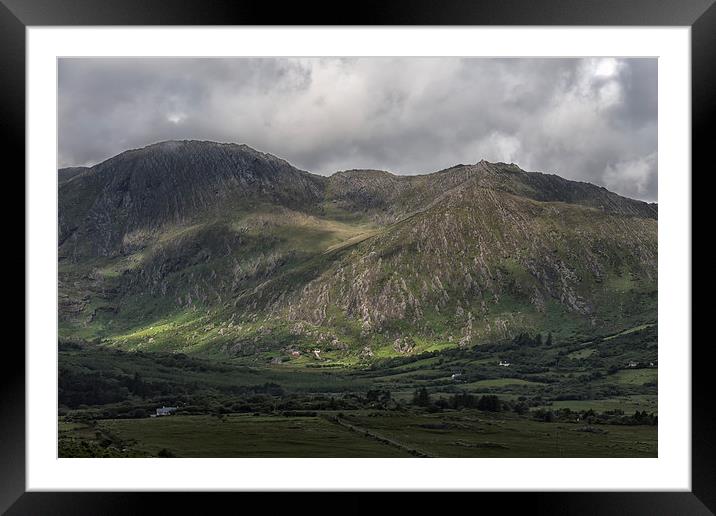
489 403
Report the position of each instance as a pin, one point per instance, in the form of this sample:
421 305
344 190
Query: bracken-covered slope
218 248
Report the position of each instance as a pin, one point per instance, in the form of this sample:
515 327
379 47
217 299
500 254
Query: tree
378 395
543 415
549 339
137 386
521 408
421 397
489 403
138 413
463 400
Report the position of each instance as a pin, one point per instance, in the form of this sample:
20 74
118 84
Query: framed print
413 250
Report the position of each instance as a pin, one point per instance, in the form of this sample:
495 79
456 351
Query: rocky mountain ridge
227 248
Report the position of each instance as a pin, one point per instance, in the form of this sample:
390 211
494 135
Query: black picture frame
16 15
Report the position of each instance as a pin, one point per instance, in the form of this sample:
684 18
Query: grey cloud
592 119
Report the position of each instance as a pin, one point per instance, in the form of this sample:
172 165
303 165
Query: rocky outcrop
140 192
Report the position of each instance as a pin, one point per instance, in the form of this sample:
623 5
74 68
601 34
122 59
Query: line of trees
525 339
487 402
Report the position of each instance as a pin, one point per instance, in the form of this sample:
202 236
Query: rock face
65 174
477 248
175 182
251 253
382 193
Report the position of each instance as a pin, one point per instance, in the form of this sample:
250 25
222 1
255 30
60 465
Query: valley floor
469 433
593 398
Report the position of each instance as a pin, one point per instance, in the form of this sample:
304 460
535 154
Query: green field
636 376
246 436
498 382
368 434
571 399
480 434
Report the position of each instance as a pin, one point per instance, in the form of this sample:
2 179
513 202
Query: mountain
65 174
140 191
221 249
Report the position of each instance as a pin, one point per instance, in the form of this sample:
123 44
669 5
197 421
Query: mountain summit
219 248
174 182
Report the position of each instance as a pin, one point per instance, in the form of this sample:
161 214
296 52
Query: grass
631 330
450 434
628 404
245 436
582 353
635 376
497 382
540 376
208 373
481 434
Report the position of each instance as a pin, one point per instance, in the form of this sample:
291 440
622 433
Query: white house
504 363
166 411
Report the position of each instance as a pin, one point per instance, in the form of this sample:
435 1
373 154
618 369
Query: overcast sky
586 119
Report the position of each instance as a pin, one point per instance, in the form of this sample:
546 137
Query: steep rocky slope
388 196
481 261
127 198
65 174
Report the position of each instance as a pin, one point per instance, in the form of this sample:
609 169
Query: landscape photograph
359 257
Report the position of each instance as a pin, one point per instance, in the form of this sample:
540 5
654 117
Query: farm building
166 411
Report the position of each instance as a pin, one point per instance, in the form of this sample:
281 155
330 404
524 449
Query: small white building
504 363
166 411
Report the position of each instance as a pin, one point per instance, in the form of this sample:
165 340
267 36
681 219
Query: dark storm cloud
587 119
